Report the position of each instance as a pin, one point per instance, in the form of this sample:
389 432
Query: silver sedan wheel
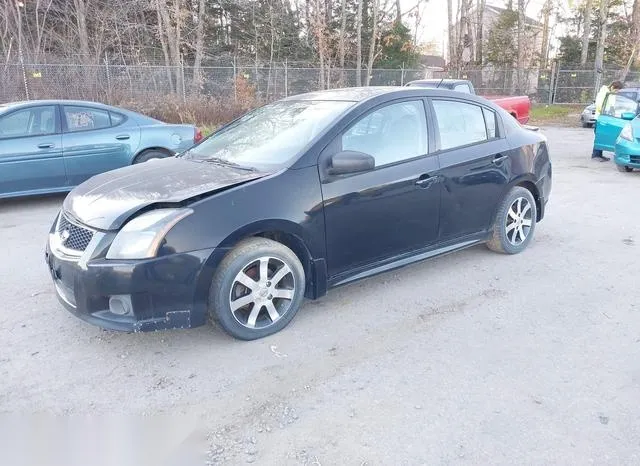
519 221
262 292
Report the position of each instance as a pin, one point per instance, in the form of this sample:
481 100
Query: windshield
270 136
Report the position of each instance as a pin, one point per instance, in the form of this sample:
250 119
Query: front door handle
499 159
426 181
122 137
45 145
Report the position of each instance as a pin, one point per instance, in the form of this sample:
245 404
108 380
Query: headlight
141 237
627 132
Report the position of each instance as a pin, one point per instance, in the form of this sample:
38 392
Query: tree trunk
635 35
451 44
165 50
374 38
359 44
197 78
521 45
586 32
602 37
343 28
80 8
546 13
398 12
480 6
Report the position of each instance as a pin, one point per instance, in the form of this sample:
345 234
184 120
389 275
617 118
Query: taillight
197 136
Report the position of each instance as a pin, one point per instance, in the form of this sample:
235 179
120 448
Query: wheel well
147 149
531 187
299 249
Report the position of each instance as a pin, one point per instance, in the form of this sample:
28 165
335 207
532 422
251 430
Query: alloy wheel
519 221
262 292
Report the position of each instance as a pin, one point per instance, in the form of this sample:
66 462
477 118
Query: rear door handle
426 181
122 137
499 159
45 145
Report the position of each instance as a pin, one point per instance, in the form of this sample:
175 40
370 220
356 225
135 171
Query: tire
233 297
507 238
150 154
624 168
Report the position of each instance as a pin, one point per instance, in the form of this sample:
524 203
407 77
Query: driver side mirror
349 161
628 115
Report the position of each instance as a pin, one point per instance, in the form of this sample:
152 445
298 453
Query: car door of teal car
96 140
611 121
31 151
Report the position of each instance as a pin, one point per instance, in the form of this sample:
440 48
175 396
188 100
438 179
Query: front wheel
624 168
515 222
257 289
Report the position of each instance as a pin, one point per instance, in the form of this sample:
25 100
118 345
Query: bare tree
586 31
373 40
80 12
343 30
521 42
602 38
547 9
635 37
451 40
480 7
359 44
197 62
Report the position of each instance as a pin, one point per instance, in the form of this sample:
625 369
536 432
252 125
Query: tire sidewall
224 277
514 194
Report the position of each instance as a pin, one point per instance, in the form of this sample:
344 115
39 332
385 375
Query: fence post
184 88
555 87
106 67
235 81
402 75
286 79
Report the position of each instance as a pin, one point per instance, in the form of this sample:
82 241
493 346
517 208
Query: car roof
446 81
30 103
360 94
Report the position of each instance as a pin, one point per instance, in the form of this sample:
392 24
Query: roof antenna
439 83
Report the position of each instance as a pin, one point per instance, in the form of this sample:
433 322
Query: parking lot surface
472 358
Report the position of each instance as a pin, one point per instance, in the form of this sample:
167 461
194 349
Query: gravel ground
472 358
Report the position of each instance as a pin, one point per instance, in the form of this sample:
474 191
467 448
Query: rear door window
85 118
459 123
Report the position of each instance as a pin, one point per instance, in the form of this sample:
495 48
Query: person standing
604 91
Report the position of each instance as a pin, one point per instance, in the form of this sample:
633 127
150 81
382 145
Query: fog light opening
120 305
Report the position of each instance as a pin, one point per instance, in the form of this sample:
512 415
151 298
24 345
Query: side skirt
406 259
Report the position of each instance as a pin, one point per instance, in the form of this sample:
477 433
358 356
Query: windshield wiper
227 163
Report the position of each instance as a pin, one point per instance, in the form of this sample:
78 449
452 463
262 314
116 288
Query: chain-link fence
117 83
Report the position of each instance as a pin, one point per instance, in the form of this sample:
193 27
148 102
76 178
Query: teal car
51 146
618 129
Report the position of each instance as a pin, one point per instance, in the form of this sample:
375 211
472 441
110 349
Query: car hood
106 201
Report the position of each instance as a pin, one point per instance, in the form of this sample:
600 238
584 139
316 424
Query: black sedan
294 198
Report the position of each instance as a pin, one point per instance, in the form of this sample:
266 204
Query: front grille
73 236
634 158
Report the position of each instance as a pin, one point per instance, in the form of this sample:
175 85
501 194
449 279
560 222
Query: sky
434 23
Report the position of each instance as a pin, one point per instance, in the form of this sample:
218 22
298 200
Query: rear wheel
515 222
624 168
257 289
149 155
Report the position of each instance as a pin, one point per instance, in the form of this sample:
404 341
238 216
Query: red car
517 106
